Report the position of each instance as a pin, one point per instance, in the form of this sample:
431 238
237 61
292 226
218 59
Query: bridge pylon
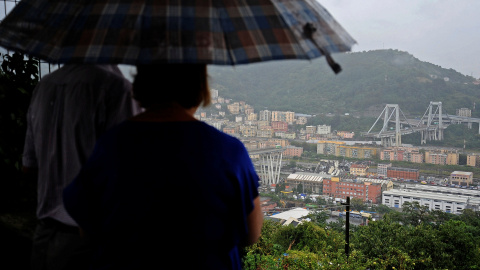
389 113
433 130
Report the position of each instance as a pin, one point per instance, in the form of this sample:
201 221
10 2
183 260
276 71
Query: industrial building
461 178
366 191
449 203
309 181
405 173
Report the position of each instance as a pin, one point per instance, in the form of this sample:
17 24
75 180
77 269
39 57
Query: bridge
270 160
431 125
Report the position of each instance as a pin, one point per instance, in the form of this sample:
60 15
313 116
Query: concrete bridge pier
270 167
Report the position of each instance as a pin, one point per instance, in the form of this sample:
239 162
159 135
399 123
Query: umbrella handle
308 31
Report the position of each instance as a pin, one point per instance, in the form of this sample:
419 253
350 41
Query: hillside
368 79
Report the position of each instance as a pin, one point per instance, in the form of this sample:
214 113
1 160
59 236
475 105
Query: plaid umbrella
222 32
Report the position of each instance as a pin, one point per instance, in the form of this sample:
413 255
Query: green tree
358 204
18 77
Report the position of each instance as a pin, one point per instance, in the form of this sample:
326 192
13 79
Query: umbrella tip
336 68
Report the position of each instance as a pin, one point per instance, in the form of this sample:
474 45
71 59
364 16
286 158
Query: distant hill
368 80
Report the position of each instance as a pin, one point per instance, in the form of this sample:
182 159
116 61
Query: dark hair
159 84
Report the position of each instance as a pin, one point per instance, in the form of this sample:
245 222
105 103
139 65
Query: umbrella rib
308 30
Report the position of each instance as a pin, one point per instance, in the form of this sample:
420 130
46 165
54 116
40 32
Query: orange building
293 151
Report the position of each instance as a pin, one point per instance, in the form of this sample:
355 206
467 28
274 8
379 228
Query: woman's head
162 84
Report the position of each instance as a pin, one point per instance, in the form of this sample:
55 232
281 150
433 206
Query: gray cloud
441 32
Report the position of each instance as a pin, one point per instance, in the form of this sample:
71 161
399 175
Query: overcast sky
442 32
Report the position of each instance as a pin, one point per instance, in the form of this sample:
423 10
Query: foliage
368 79
18 77
438 242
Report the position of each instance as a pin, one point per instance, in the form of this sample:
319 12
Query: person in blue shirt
163 190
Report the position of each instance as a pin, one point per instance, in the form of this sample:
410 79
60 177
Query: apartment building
249 131
252 117
301 120
435 158
234 108
311 129
265 115
345 134
328 147
324 129
288 117
230 130
280 125
281 142
358 169
473 160
265 132
382 169
464 112
401 154
293 151
355 151
452 158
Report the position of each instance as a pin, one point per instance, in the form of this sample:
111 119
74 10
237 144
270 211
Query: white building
435 201
324 129
265 115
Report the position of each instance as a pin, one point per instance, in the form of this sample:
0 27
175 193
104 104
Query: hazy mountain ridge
368 79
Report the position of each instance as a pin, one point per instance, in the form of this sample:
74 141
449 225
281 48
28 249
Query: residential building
413 156
265 115
366 191
248 109
345 134
358 169
452 158
249 131
324 129
473 160
311 129
281 142
229 130
238 119
214 93
435 158
328 147
278 116
405 173
355 151
288 117
461 178
301 120
252 117
280 125
234 108
464 112
293 151
401 154
382 169
265 133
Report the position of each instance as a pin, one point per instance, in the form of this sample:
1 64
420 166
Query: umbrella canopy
223 32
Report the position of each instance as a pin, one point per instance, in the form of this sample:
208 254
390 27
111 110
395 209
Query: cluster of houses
265 129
